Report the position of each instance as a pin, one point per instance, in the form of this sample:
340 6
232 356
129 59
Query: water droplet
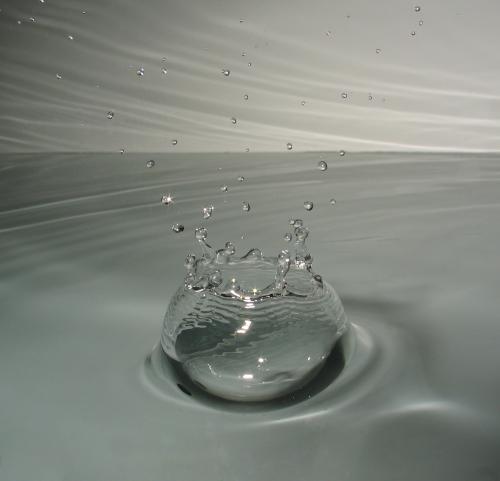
247 149
413 33
421 22
289 146
417 9
245 206
84 12
216 278
370 97
333 201
223 188
42 1
164 70
59 77
207 211
308 205
70 37
328 33
174 142
177 228
122 151
297 222
342 153
201 233
288 237
229 248
226 72
322 165
110 115
241 178
33 19
140 72
303 102
19 22
243 54
150 164
167 199
234 120
245 97
378 50
249 64
344 95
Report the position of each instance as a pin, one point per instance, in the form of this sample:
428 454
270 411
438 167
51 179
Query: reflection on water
89 260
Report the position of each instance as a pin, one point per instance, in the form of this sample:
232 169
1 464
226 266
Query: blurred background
213 75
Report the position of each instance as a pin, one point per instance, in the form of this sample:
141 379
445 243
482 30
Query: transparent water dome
252 328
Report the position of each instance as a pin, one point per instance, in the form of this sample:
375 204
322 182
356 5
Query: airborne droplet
167 199
207 211
342 153
150 164
177 228
245 206
226 72
322 165
140 72
308 205
110 115
287 237
289 146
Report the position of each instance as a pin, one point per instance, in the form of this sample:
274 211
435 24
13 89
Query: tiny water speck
249 64
421 22
122 151
164 70
245 97
234 120
344 95
370 97
226 72
32 19
287 237
167 199
140 72
308 205
208 211
417 9
150 164
110 115
241 178
245 206
322 165
289 146
342 153
177 228
378 50
70 37
303 102
413 33
174 142
333 201
58 76
223 188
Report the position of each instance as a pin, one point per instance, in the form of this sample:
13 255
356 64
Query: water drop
245 97
208 211
42 1
84 12
289 146
33 19
174 142
243 54
241 178
421 22
223 188
342 153
370 97
287 237
177 228
59 77
216 278
303 102
413 33
328 33
234 120
226 72
164 70
122 151
229 248
150 164
308 205
333 201
167 199
140 72
378 50
322 165
245 206
296 222
110 115
201 233
417 9
247 149
249 64
344 95
70 37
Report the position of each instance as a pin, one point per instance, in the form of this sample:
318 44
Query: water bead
110 115
298 222
421 22
245 206
167 199
322 165
245 97
59 77
164 70
150 164
140 72
226 72
378 50
122 151
308 205
342 153
177 228
208 211
223 188
234 120
413 33
333 201
289 146
241 178
174 141
229 248
417 9
287 237
200 233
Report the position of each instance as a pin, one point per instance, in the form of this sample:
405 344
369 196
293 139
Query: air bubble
308 205
333 201
110 115
289 146
167 199
322 165
245 206
208 211
178 228
150 164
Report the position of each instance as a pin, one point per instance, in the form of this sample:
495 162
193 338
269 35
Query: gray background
437 90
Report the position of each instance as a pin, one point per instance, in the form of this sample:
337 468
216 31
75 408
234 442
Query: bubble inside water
110 115
322 165
308 205
207 211
252 328
177 228
150 164
245 206
289 146
167 199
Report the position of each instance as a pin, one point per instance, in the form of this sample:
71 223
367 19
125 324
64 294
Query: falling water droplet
110 115
229 248
243 54
200 233
245 206
296 222
223 188
174 142
245 97
140 72
249 64
378 50
417 9
421 22
150 164
303 102
32 19
164 70
122 151
247 149
226 72
308 205
42 1
167 199
177 228
241 178
59 77
342 153
344 95
289 146
216 278
413 33
322 165
333 201
370 97
70 37
207 211
287 237
234 120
